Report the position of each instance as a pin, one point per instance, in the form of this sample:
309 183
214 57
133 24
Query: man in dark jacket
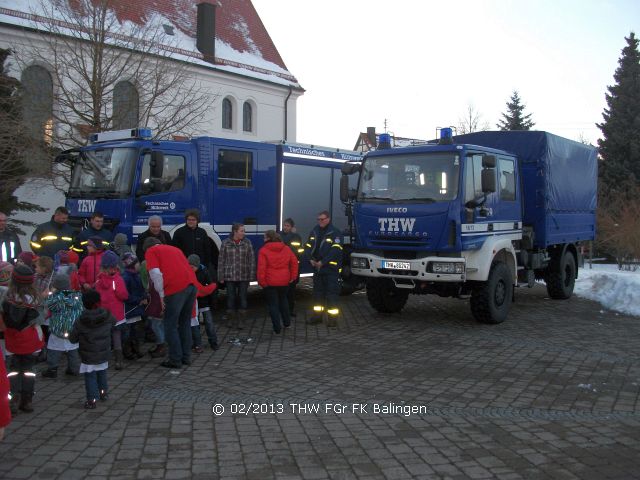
95 229
155 231
9 242
51 237
192 239
324 252
294 241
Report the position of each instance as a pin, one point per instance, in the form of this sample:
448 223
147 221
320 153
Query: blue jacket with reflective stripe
329 248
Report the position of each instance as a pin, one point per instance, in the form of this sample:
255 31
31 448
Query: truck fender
478 262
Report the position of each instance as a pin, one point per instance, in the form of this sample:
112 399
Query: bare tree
471 121
92 56
618 218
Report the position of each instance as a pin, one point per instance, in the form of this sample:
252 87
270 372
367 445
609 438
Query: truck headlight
359 262
446 267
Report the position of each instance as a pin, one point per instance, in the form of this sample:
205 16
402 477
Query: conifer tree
620 145
515 118
13 141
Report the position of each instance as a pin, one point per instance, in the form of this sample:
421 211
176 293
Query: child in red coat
23 336
277 268
113 293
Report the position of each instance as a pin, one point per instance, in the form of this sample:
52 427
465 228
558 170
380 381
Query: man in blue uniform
294 241
324 252
95 228
51 237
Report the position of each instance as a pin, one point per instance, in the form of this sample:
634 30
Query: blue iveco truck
472 216
129 177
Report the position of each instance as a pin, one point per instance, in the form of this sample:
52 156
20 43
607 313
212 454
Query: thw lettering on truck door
87 206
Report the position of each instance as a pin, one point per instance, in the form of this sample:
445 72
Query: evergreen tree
620 145
514 118
13 141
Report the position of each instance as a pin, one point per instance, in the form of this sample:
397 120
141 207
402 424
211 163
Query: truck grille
391 271
399 241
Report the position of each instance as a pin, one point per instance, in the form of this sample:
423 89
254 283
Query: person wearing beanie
66 265
120 246
92 332
205 304
26 258
23 336
90 265
113 293
65 306
134 306
96 232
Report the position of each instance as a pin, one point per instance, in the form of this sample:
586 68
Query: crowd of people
87 295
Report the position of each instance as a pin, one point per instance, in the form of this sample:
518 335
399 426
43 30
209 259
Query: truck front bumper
426 269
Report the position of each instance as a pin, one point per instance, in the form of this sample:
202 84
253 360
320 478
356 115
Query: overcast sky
419 64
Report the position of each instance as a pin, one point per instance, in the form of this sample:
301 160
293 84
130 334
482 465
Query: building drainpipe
286 113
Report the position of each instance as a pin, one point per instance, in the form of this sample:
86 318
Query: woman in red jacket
277 268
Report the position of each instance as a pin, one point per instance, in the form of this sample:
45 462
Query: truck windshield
106 172
424 177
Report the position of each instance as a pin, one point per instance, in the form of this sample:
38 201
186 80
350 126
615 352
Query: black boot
50 373
119 359
135 349
26 402
14 403
127 351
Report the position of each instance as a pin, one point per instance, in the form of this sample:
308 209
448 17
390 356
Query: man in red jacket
175 282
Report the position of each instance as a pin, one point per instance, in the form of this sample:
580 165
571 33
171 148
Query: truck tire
561 277
385 297
491 300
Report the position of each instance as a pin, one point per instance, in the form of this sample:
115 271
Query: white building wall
267 98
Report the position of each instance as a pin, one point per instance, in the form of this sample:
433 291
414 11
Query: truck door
507 207
483 214
166 188
235 197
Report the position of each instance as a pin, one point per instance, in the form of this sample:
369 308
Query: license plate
396 265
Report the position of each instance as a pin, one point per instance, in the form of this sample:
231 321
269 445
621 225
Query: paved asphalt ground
551 393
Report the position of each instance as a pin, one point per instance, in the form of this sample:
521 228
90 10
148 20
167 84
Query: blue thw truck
472 216
129 177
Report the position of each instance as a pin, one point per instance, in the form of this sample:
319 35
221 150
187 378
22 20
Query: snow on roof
243 44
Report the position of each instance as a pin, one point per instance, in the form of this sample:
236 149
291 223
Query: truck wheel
385 297
491 300
561 277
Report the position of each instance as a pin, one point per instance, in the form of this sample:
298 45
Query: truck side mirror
488 180
489 161
350 168
344 187
156 164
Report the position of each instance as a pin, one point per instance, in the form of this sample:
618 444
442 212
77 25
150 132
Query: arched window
37 103
126 105
247 117
227 114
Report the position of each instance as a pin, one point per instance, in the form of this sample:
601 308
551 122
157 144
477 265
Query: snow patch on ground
612 288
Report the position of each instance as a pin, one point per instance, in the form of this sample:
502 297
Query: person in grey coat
236 268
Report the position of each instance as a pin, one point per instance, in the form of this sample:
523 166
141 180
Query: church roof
242 46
